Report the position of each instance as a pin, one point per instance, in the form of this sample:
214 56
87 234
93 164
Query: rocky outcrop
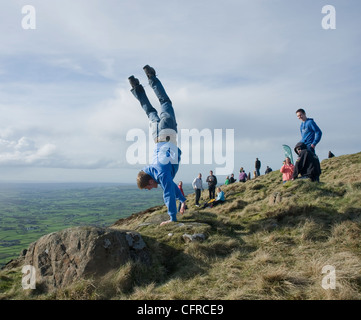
60 258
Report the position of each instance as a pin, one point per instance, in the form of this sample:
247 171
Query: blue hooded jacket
164 167
310 132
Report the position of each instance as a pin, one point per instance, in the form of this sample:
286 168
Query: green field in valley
29 211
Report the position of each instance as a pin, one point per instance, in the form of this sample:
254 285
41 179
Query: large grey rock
63 257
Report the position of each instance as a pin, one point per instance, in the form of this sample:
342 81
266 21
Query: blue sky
65 102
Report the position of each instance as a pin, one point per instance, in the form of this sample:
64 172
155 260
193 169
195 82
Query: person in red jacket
180 187
287 170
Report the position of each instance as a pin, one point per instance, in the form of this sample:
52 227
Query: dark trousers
212 192
198 195
217 202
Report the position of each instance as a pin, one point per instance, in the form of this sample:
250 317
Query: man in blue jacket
311 134
167 155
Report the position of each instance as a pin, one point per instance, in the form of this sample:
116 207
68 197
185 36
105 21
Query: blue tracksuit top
310 132
165 164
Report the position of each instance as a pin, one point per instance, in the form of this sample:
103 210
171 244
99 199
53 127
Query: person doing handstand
166 155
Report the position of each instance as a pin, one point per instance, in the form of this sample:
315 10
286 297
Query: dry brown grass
267 241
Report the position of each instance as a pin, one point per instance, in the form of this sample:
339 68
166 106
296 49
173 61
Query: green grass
29 211
267 241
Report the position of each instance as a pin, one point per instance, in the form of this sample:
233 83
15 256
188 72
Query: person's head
211 173
301 114
199 175
232 175
299 146
288 160
241 169
180 183
219 190
145 181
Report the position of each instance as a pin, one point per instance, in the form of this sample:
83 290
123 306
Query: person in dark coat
257 166
307 165
212 182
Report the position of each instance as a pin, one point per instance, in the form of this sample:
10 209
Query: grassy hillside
267 241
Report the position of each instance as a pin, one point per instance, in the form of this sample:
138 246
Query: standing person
307 164
242 175
180 187
311 134
167 155
257 166
198 187
212 182
287 170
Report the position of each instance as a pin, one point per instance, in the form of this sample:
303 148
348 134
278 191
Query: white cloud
247 65
24 144
24 151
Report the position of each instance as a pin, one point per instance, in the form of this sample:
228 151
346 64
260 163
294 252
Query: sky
234 67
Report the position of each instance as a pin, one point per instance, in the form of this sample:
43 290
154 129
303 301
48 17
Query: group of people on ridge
243 177
167 156
197 185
